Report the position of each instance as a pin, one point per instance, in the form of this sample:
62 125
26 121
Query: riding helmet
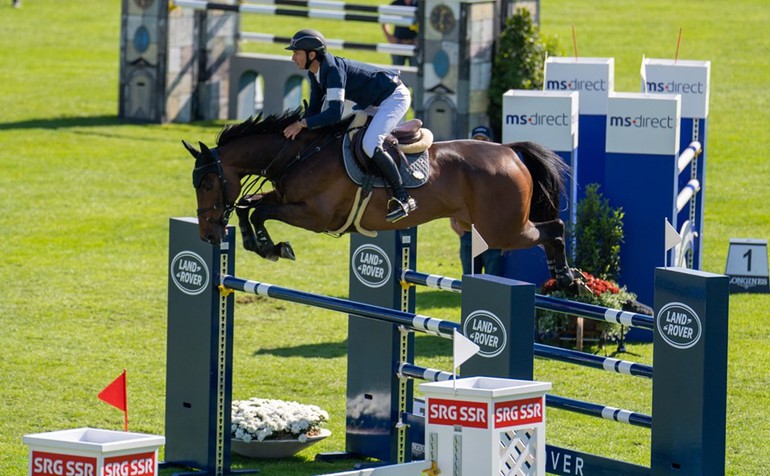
308 40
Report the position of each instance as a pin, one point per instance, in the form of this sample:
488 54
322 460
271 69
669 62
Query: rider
334 79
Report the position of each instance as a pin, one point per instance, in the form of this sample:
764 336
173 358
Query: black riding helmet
308 40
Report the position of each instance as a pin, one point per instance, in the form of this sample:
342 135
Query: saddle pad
416 164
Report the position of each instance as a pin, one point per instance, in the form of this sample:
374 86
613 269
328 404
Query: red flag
115 394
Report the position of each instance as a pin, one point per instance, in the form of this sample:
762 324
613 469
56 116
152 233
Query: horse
509 192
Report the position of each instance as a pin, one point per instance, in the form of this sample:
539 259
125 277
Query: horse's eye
208 184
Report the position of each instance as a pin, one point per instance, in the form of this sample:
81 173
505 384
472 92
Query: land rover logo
679 326
487 331
189 272
371 266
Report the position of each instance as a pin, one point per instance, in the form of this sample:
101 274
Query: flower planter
274 449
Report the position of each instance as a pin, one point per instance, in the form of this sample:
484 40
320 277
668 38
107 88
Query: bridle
214 166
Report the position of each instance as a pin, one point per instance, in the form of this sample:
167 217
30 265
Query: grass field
85 201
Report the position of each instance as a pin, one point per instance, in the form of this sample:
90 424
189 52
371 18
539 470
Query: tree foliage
518 62
599 234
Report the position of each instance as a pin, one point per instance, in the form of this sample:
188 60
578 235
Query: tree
518 62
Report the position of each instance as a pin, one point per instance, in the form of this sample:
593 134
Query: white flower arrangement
259 419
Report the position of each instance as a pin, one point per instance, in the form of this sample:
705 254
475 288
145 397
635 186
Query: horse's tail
548 173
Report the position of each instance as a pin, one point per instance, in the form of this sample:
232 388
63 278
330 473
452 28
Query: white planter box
93 452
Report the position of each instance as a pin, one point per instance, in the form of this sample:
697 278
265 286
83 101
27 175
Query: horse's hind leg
550 234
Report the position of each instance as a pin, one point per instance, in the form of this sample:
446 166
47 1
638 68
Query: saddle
407 144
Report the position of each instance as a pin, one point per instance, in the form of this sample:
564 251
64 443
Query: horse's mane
257 125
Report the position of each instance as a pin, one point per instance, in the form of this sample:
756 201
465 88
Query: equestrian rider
381 92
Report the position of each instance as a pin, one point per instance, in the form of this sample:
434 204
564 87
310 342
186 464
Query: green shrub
518 62
599 233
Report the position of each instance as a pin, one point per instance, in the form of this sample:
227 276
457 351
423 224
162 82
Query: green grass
85 201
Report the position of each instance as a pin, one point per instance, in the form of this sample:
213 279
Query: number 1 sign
747 266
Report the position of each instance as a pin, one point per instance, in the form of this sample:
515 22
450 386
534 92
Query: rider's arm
333 84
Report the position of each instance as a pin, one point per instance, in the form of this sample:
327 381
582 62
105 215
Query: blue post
498 314
376 397
641 171
199 351
689 391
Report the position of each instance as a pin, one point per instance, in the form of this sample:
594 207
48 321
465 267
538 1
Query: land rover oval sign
371 266
189 272
679 325
487 331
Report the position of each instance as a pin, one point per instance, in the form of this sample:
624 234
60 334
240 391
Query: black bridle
214 166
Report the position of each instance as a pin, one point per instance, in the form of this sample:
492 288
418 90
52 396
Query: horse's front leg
268 207
242 209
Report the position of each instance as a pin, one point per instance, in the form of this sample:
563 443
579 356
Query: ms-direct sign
476 414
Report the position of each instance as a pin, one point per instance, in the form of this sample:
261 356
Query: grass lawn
85 201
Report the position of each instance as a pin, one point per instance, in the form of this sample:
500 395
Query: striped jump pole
408 19
389 48
580 309
412 321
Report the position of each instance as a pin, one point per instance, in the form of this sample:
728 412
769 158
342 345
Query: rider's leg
401 203
385 119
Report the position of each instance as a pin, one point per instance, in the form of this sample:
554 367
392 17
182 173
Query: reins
262 177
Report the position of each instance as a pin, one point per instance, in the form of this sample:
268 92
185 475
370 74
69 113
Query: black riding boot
401 203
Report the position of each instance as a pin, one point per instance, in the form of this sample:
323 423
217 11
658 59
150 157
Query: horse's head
215 201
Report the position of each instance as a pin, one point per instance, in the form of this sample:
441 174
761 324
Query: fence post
689 390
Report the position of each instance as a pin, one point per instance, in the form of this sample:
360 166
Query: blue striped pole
432 281
580 309
594 409
413 321
594 361
409 370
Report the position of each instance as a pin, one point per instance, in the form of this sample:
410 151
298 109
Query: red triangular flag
115 394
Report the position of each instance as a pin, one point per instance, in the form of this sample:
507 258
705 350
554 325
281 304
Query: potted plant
265 428
598 235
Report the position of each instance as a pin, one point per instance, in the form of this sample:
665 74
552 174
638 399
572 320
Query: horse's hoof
581 288
249 244
286 250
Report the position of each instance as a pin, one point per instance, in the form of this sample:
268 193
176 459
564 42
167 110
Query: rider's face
299 57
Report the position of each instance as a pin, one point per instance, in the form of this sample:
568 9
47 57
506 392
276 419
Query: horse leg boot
401 203
242 209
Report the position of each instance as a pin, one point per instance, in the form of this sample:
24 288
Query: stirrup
401 210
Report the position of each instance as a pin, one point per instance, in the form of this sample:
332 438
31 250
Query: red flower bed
598 286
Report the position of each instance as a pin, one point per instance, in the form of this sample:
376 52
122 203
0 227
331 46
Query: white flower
260 419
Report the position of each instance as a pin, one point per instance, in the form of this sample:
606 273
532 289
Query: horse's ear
191 149
205 150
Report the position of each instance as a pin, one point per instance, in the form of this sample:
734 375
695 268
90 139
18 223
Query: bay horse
510 193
